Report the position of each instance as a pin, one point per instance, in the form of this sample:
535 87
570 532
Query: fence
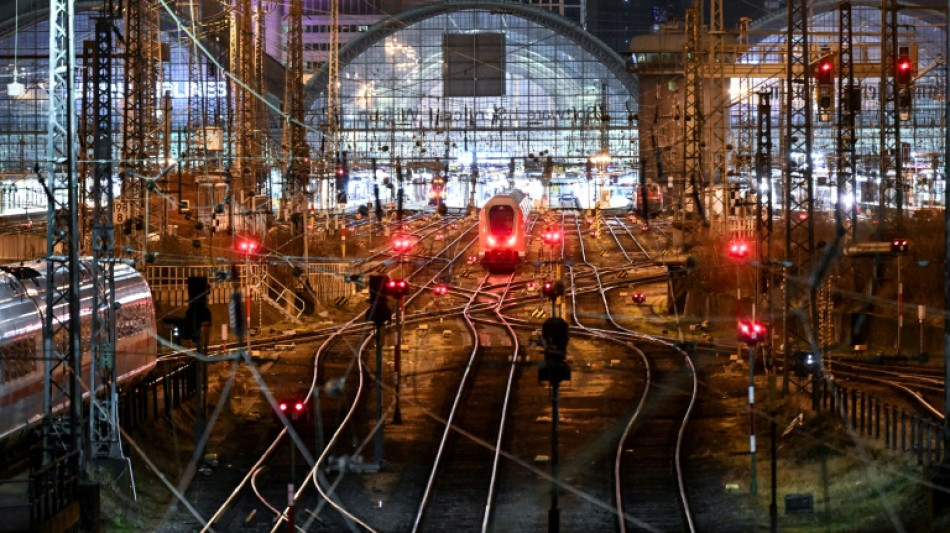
169 284
899 430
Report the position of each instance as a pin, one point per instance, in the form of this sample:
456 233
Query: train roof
515 194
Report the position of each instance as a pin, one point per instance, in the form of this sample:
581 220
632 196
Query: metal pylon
845 216
798 201
295 134
104 436
891 164
61 324
692 196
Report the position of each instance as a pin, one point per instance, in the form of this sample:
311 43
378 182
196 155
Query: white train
22 306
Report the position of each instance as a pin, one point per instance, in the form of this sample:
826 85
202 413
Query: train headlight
492 241
512 240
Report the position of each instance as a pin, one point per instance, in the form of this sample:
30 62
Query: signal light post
824 77
554 370
551 290
397 288
751 333
904 71
738 250
294 409
248 247
379 314
899 247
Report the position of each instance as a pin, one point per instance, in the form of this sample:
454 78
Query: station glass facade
483 86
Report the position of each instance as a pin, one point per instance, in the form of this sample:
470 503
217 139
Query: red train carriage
501 231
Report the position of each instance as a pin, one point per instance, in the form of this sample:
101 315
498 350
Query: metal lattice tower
141 130
197 104
295 135
743 114
333 96
763 221
260 116
247 156
717 170
61 325
890 148
104 436
846 139
798 200
692 194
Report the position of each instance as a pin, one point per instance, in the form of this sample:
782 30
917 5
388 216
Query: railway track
649 484
462 482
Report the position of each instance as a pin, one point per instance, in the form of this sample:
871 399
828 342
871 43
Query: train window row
18 359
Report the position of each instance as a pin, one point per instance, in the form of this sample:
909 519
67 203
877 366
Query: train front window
501 220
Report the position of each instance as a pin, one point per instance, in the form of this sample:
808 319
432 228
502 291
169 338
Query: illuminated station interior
512 94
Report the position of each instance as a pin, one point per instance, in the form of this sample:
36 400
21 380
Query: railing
899 430
53 488
169 283
324 281
285 299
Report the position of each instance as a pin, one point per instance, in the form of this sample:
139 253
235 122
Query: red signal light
824 74
397 287
440 289
751 332
402 244
298 406
283 406
639 298
247 247
551 235
738 249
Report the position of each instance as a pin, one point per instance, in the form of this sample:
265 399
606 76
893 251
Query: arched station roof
389 26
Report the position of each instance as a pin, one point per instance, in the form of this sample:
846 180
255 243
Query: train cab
501 225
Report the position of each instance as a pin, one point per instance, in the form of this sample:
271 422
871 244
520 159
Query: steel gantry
693 117
798 201
62 408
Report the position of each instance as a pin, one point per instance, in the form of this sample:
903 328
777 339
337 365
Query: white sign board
121 211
